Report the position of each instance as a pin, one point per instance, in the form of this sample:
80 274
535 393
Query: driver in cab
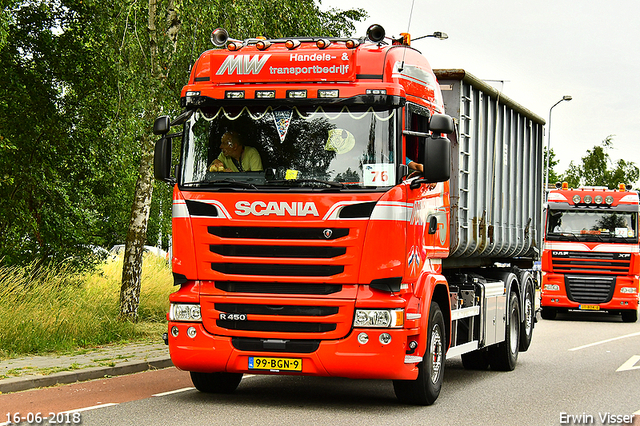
235 157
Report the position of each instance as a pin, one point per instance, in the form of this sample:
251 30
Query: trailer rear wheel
504 355
216 382
426 388
629 316
526 328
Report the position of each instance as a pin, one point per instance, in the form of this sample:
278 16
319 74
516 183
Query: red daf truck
590 259
331 256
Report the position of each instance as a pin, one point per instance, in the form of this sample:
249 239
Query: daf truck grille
590 262
590 288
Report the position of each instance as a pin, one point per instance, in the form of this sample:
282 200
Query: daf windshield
321 147
590 225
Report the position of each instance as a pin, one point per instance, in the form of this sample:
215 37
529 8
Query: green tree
159 41
553 176
61 174
595 169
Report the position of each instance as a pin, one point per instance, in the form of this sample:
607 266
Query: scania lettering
260 208
590 260
336 259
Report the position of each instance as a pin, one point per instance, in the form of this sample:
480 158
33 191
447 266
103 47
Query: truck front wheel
426 388
216 382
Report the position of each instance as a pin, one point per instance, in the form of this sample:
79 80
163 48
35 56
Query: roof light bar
329 93
265 94
296 94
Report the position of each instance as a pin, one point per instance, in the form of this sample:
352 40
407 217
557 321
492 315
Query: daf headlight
185 312
382 318
552 287
628 290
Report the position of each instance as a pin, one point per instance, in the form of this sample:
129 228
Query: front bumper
346 357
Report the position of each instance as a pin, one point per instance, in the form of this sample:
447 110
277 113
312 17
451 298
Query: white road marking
605 341
94 407
173 391
630 364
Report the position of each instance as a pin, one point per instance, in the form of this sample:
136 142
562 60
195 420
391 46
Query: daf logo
560 253
327 233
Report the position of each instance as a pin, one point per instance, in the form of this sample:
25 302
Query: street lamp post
546 175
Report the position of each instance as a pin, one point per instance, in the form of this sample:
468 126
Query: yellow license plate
590 307
279 364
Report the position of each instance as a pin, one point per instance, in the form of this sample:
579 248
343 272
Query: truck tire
216 382
476 360
548 313
426 388
526 327
504 355
629 316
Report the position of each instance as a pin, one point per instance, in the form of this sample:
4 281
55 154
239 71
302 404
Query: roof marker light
292 44
352 43
323 43
263 44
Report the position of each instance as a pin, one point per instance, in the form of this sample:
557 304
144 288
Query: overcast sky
542 50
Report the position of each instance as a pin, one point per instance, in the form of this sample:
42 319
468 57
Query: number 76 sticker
379 174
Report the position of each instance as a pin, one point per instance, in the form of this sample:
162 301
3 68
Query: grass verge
55 309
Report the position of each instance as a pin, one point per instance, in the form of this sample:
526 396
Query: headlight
389 318
629 290
552 287
185 312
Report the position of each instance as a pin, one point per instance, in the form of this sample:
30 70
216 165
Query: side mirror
437 159
162 160
441 123
162 125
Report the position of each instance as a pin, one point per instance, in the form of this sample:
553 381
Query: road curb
17 384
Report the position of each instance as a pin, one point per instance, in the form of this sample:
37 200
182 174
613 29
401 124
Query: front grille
590 262
266 269
278 288
311 311
305 252
300 346
589 289
278 233
277 326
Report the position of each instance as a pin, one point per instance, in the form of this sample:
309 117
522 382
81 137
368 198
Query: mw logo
243 64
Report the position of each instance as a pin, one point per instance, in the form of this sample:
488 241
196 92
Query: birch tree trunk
137 232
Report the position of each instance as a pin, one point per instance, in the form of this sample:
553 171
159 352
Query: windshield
346 147
592 226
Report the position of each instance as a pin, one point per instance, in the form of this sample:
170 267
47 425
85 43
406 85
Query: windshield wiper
232 183
324 182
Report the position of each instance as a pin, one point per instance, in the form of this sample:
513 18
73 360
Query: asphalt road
585 365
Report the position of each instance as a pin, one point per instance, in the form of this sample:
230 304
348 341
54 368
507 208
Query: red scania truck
590 259
333 258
